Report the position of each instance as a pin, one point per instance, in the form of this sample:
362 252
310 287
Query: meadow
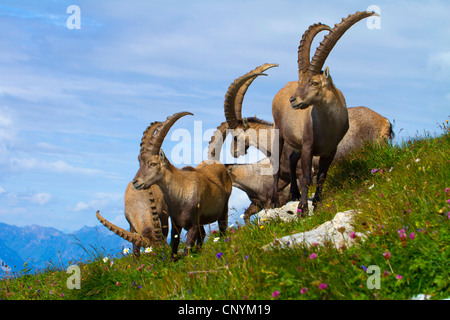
402 191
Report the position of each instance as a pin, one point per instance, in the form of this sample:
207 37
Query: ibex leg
324 164
305 181
175 239
293 161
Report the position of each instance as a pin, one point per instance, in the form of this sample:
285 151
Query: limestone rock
286 213
336 231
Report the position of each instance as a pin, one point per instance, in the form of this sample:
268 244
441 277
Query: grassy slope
407 191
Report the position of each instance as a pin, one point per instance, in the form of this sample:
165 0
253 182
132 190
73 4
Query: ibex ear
245 122
326 72
162 156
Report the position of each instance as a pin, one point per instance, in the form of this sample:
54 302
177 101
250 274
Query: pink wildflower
313 256
275 294
402 234
304 290
352 235
387 255
412 235
322 286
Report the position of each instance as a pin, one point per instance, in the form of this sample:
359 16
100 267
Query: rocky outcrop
338 231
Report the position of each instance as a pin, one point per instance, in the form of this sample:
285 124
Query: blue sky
74 103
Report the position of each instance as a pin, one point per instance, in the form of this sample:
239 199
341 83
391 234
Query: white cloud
58 166
2 190
41 198
7 129
80 206
101 200
440 60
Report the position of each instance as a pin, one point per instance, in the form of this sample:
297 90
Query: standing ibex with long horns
365 125
311 115
145 211
194 196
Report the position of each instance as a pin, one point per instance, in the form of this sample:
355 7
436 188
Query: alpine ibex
311 115
249 178
365 125
194 196
145 211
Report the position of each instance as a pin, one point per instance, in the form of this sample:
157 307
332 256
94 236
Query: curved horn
230 98
305 44
134 238
157 230
332 38
243 89
161 131
217 140
147 135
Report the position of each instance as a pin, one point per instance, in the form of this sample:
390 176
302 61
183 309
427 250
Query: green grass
407 191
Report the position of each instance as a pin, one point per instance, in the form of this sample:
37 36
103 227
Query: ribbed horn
132 237
305 44
157 231
243 89
230 98
147 135
158 137
332 38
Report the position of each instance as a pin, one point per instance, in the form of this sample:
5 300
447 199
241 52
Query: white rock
336 231
286 213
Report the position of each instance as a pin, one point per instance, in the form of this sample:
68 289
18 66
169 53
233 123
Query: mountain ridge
41 247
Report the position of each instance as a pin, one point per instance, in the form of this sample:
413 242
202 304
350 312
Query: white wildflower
126 250
242 216
148 249
216 239
371 187
105 259
417 160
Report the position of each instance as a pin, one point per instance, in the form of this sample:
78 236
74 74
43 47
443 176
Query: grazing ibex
194 196
249 178
145 211
365 125
311 115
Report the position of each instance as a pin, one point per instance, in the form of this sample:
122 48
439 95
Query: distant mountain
8 257
42 247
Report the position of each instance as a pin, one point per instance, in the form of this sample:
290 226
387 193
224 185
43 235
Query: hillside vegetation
403 192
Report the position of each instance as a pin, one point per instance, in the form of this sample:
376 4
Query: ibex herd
312 125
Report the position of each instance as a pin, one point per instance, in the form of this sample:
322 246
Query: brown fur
194 196
145 211
311 114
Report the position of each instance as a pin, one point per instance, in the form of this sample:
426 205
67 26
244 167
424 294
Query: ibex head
152 160
233 110
313 83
